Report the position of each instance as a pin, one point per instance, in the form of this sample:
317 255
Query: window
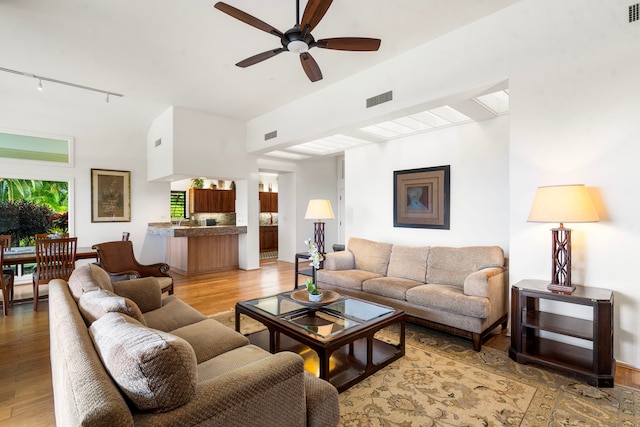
29 206
32 147
178 204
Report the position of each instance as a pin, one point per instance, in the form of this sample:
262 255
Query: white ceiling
159 53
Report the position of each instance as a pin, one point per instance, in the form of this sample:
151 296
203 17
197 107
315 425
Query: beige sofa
457 290
152 361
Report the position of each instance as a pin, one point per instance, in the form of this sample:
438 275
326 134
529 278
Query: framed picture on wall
110 196
421 197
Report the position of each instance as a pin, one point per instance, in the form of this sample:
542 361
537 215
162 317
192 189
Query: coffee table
337 340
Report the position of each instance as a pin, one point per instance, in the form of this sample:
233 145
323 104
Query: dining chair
55 259
125 235
6 280
5 241
117 259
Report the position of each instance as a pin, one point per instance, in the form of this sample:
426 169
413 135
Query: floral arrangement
316 258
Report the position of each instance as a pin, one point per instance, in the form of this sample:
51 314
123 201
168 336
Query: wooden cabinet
531 329
268 238
203 200
268 201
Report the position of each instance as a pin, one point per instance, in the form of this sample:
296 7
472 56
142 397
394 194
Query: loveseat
122 355
457 290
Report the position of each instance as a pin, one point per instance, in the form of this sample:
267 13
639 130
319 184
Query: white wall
572 68
104 139
478 154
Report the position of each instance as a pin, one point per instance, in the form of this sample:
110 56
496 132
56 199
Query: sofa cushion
390 287
339 261
144 291
155 370
370 256
88 277
449 298
173 314
210 338
95 304
409 262
451 266
350 279
230 361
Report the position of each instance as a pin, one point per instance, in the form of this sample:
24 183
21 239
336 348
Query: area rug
442 381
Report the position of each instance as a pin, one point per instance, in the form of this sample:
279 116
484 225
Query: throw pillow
154 369
95 304
88 277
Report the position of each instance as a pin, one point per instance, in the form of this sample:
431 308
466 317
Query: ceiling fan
299 39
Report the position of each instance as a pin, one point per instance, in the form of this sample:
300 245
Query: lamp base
566 289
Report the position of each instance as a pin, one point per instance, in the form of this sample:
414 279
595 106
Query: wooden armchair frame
117 259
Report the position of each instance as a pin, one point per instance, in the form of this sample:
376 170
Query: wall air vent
158 142
634 12
379 99
270 135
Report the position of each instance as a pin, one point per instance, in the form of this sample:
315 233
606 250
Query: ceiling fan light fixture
297 46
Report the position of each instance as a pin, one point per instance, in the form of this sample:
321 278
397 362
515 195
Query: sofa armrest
485 282
267 392
145 292
343 260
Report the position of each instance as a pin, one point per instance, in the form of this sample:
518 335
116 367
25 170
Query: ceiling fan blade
247 19
313 13
310 67
350 43
259 57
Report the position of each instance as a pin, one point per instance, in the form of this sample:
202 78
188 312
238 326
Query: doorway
268 216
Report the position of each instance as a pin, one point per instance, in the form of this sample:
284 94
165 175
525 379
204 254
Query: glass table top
276 305
324 321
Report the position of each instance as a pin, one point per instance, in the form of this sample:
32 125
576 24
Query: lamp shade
563 203
319 209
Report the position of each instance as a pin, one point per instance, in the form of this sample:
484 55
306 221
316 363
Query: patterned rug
269 255
442 381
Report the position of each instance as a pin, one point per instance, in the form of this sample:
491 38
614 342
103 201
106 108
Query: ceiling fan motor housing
294 42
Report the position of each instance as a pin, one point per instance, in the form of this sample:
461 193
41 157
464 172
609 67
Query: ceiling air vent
379 99
270 135
634 12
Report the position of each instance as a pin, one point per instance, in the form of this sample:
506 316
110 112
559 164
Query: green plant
197 182
312 288
54 194
23 219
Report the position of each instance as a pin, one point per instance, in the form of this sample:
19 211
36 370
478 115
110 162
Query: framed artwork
110 196
421 197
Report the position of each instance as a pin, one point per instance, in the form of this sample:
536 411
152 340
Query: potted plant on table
315 295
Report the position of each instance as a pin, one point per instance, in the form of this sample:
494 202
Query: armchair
117 259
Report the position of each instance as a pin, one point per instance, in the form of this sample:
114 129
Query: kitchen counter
199 249
170 230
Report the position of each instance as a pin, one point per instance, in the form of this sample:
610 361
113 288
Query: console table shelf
529 325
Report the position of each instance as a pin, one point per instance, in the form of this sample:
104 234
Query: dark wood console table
531 327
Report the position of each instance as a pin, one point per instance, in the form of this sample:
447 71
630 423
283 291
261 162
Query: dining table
27 255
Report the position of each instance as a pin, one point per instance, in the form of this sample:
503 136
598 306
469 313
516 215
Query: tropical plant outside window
28 207
178 204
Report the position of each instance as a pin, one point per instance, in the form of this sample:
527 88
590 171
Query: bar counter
199 249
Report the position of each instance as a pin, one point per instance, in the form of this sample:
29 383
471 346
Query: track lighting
41 78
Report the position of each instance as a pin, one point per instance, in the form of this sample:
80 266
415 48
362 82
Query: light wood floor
26 397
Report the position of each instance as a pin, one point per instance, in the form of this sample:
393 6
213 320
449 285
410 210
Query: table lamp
319 209
562 203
